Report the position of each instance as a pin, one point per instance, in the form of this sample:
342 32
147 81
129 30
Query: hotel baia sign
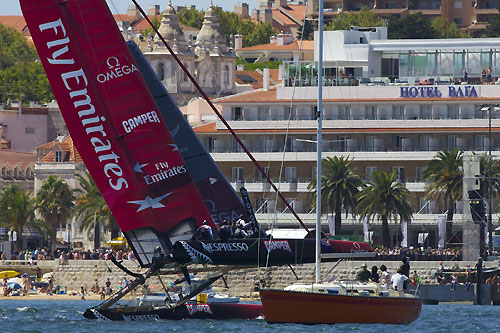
439 91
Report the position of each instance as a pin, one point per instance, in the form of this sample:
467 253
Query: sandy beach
47 297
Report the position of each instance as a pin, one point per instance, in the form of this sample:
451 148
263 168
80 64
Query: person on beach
363 274
51 286
38 274
82 292
108 287
103 293
386 277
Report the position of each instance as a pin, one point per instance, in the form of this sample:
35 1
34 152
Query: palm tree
55 201
91 206
339 186
444 178
17 210
484 169
385 197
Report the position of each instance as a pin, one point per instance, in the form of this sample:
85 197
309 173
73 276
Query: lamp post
490 222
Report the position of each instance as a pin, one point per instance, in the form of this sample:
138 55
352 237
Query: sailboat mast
318 162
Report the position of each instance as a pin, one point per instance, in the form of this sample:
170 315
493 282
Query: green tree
259 35
363 18
339 187
54 202
13 48
91 208
308 33
444 179
493 28
156 23
17 211
27 80
413 26
444 29
191 17
485 162
386 198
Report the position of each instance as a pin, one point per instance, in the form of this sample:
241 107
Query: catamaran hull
195 311
281 306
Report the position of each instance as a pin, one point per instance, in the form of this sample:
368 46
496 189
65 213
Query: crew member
363 275
204 232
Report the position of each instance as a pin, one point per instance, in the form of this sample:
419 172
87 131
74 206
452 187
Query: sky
11 7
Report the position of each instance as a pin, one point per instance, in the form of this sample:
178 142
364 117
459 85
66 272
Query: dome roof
211 36
171 31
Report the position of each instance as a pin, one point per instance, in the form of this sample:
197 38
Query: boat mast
318 162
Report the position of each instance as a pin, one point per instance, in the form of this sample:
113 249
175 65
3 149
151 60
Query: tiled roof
297 11
240 78
306 45
142 24
12 158
15 22
283 19
66 145
205 128
121 17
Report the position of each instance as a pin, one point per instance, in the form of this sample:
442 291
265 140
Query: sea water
66 316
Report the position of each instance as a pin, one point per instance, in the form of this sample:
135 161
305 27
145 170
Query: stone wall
242 280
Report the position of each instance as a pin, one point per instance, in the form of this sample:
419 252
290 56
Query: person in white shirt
398 280
385 277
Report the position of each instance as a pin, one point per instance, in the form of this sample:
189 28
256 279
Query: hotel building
387 104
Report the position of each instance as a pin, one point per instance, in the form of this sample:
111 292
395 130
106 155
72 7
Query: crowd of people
398 281
419 254
228 230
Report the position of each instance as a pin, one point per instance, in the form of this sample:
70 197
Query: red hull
282 306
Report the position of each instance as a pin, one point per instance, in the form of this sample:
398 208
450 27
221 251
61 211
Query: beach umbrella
9 274
14 285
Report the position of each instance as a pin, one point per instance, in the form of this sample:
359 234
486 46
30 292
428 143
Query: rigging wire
219 115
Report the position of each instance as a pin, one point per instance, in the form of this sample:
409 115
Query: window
371 113
237 113
401 173
344 112
263 113
424 206
480 112
458 4
368 172
397 142
398 112
424 141
290 112
29 130
265 144
425 112
457 20
209 144
452 111
370 143
258 175
226 75
343 143
161 72
419 172
290 144
58 156
28 173
481 142
16 172
452 141
4 172
291 174
237 174
261 206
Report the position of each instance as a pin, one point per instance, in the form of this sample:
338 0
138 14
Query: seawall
241 281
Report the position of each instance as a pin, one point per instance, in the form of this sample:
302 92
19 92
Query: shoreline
54 297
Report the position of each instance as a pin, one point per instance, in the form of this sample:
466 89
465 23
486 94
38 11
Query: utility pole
490 162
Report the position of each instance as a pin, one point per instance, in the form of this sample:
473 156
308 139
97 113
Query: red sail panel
113 120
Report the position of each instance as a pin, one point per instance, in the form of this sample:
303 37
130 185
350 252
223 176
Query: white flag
442 230
486 238
331 224
365 228
422 237
404 231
